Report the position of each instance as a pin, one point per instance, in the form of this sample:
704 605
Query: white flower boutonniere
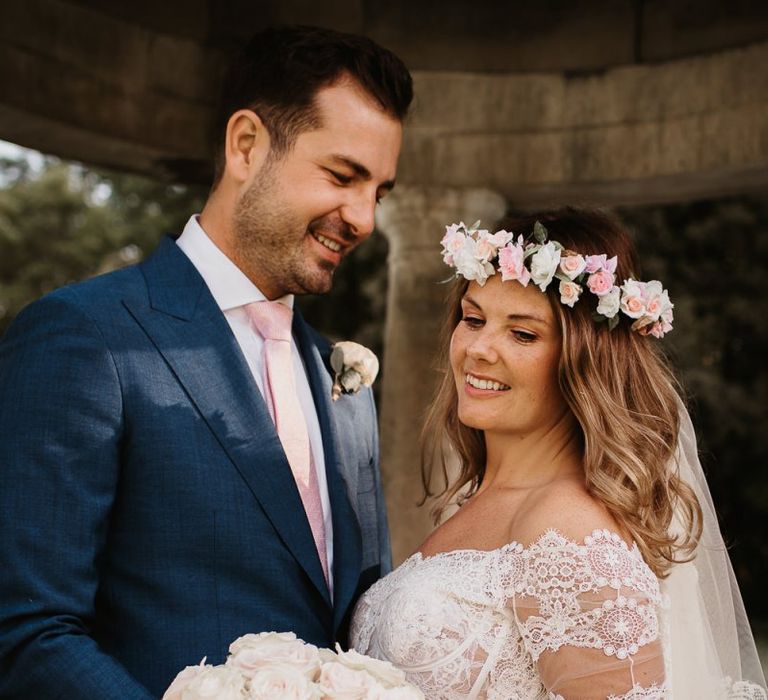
354 366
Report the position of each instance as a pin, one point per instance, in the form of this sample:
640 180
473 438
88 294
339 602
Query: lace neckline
548 535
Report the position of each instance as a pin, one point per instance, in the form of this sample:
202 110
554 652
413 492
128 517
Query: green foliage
66 223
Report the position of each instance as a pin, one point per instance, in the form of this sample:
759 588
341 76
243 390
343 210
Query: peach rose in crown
572 266
656 299
569 293
632 299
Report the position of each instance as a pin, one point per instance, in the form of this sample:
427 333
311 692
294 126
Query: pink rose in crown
512 263
453 241
600 282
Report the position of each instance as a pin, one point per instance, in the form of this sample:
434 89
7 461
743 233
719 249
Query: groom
173 473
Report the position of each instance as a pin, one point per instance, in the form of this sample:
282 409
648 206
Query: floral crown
472 251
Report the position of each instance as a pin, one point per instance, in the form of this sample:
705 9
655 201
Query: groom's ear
246 147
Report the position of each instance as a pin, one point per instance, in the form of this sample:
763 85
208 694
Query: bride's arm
588 613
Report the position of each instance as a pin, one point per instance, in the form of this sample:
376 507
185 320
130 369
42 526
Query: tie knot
271 318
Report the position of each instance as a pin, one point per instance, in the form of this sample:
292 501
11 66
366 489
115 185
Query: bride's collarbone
493 517
483 522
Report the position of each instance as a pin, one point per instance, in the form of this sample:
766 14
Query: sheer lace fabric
555 619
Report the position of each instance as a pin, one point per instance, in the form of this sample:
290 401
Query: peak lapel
192 334
338 430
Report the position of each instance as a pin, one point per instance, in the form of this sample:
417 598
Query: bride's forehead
510 297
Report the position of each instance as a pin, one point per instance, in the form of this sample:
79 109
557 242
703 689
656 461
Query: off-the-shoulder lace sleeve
588 615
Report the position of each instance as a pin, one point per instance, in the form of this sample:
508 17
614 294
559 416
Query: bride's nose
482 346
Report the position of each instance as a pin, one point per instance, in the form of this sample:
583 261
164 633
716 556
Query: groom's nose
358 211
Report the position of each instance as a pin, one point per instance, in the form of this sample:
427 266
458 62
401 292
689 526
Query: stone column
414 219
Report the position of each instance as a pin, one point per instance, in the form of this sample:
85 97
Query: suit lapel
191 333
338 429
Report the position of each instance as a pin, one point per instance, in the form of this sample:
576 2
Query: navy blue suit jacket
148 514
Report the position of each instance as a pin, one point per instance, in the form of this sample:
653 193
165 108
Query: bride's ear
246 146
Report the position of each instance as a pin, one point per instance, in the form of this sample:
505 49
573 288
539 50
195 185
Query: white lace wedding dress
555 619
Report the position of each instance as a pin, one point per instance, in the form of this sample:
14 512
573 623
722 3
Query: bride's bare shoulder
566 507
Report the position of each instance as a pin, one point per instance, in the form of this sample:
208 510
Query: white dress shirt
232 290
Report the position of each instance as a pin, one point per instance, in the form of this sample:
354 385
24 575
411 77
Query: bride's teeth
328 243
484 383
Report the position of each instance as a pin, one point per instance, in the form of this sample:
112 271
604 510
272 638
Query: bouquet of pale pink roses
279 666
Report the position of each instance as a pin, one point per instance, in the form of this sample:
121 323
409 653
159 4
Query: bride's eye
473 321
524 336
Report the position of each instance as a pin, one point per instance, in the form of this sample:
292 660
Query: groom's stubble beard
269 240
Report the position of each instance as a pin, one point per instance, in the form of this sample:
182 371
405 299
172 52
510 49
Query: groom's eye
340 177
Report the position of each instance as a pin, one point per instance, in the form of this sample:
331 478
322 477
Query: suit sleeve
60 428
385 548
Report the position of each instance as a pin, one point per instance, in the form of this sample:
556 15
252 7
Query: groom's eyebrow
360 170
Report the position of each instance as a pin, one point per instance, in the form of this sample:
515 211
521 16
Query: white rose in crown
354 366
278 665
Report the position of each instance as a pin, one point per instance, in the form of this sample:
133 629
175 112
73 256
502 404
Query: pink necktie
273 321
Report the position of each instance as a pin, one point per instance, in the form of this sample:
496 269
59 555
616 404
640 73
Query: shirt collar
227 283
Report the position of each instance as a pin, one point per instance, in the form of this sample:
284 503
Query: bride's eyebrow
510 317
470 300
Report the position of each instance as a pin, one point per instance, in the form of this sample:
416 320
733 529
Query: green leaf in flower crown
539 232
475 226
530 250
613 322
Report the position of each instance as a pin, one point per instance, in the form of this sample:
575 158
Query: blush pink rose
593 263
511 264
600 282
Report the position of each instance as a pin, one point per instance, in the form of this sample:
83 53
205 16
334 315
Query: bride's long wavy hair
619 387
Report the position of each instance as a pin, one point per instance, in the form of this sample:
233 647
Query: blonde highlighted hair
618 386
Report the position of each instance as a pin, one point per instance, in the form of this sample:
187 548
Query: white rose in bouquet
253 652
216 683
385 673
183 679
282 682
281 666
339 682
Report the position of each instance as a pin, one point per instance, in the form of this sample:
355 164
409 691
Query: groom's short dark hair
279 71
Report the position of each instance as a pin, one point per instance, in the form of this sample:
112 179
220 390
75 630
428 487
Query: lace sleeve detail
588 615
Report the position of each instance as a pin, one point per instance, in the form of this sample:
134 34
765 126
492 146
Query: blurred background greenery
61 222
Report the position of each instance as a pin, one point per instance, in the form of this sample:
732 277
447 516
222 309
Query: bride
585 560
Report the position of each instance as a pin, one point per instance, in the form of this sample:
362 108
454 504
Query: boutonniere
354 366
